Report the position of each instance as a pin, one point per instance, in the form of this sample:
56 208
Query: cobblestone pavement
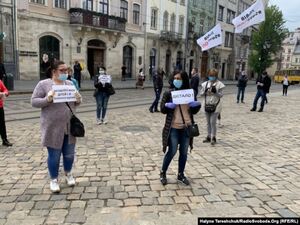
253 171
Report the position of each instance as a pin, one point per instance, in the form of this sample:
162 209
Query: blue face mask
212 78
63 76
177 83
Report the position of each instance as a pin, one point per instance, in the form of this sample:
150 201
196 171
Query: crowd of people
55 117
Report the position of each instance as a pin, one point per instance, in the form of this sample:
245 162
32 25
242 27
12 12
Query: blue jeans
68 152
262 94
241 90
101 100
177 137
156 100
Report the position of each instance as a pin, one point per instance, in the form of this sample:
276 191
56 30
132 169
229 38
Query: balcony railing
98 20
170 36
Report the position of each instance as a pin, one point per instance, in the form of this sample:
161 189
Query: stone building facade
201 19
94 32
8 45
165 35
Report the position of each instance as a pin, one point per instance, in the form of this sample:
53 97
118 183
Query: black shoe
206 140
243 102
237 102
213 141
253 109
163 178
150 110
6 143
260 110
156 110
181 178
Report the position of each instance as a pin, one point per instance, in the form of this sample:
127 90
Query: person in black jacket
263 83
195 81
242 84
77 73
102 83
2 71
157 85
174 134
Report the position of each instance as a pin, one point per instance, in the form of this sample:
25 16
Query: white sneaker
70 180
99 122
104 121
54 186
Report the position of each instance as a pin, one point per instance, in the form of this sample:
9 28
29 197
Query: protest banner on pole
253 15
211 39
64 93
183 96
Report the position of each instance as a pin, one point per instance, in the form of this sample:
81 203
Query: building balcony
170 36
84 17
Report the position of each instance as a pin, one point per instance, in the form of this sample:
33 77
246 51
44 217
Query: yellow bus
293 76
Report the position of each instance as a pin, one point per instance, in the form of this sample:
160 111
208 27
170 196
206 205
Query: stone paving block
78 204
61 204
114 203
287 213
150 194
86 196
24 205
165 200
132 202
76 216
179 200
39 212
43 205
41 197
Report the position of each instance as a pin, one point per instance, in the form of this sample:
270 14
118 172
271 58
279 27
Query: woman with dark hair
55 124
178 117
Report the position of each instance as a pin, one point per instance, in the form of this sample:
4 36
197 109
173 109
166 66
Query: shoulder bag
76 126
209 108
190 130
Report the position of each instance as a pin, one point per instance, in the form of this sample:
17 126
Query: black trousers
2 124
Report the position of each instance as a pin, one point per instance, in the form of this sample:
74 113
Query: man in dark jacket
2 71
77 73
263 83
195 82
242 83
158 85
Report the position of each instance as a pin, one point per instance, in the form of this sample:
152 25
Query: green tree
266 41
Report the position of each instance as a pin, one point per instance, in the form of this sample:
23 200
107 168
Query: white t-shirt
285 81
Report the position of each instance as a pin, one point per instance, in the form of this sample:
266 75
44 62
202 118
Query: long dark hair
53 66
184 77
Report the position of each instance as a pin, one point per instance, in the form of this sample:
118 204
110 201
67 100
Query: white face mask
63 76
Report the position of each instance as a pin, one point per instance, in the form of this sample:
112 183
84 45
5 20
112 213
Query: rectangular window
195 3
228 39
60 4
289 51
136 14
181 24
230 16
38 1
87 4
288 58
153 18
182 2
296 60
124 9
103 6
221 13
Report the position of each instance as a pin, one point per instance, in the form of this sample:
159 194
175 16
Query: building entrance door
96 56
204 65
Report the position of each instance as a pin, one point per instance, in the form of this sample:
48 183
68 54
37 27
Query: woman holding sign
178 117
104 89
55 122
212 90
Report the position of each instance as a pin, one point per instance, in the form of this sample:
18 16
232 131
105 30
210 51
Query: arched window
172 23
127 60
166 21
136 14
49 51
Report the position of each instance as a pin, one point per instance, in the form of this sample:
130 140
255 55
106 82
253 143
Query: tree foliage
266 42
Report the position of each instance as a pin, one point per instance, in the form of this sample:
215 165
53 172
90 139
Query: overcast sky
290 10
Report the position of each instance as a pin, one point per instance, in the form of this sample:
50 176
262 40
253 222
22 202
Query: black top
195 83
266 81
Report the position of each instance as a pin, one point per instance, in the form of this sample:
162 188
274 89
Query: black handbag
76 126
111 90
209 108
190 130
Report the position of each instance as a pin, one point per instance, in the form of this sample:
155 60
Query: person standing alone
285 85
242 84
3 95
195 82
263 83
77 73
158 85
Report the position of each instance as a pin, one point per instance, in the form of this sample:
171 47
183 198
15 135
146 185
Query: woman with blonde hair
212 90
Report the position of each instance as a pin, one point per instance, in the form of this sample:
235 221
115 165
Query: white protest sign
253 15
64 93
211 39
183 96
104 79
